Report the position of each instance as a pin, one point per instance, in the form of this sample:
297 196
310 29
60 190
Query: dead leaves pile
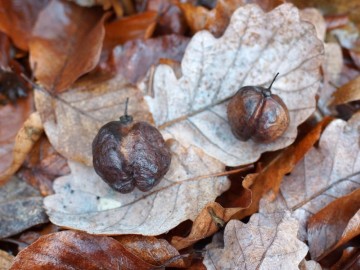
179 63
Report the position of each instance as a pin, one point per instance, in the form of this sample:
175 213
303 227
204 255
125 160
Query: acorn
254 112
128 154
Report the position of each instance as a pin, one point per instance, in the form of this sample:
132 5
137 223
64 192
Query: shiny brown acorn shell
254 112
129 154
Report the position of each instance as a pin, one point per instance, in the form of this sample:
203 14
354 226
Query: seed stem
269 88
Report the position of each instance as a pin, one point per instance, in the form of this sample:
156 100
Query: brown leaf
327 172
42 166
21 207
5 260
136 57
25 139
77 250
84 202
267 241
349 260
207 223
66 43
334 225
152 250
4 50
17 19
347 93
269 179
336 21
138 26
72 120
216 20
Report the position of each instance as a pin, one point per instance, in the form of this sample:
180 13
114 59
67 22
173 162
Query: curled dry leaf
84 202
21 207
347 93
135 58
25 139
138 26
12 118
349 259
4 50
72 120
334 225
309 265
66 43
70 250
210 220
326 172
42 166
17 19
267 241
152 250
5 260
269 179
254 47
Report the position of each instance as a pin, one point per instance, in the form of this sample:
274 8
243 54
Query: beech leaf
5 260
267 241
77 250
21 207
255 46
61 54
84 202
72 120
326 172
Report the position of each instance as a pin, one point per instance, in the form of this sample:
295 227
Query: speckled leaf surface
267 241
255 46
84 202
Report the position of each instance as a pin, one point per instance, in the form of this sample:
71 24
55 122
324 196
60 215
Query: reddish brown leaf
17 19
336 21
334 225
137 56
355 56
65 44
152 250
43 165
12 118
271 176
139 26
347 93
217 19
4 50
77 250
209 221
349 260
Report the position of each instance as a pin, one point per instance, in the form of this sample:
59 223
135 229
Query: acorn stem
126 119
269 88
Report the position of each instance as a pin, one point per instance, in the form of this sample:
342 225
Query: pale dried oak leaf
268 241
84 202
72 120
255 46
327 172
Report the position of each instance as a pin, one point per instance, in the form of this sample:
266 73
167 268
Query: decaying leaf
255 46
267 241
327 172
21 207
12 118
17 18
72 120
152 250
269 179
347 93
61 54
210 220
334 225
135 58
42 166
5 260
84 202
25 139
70 250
